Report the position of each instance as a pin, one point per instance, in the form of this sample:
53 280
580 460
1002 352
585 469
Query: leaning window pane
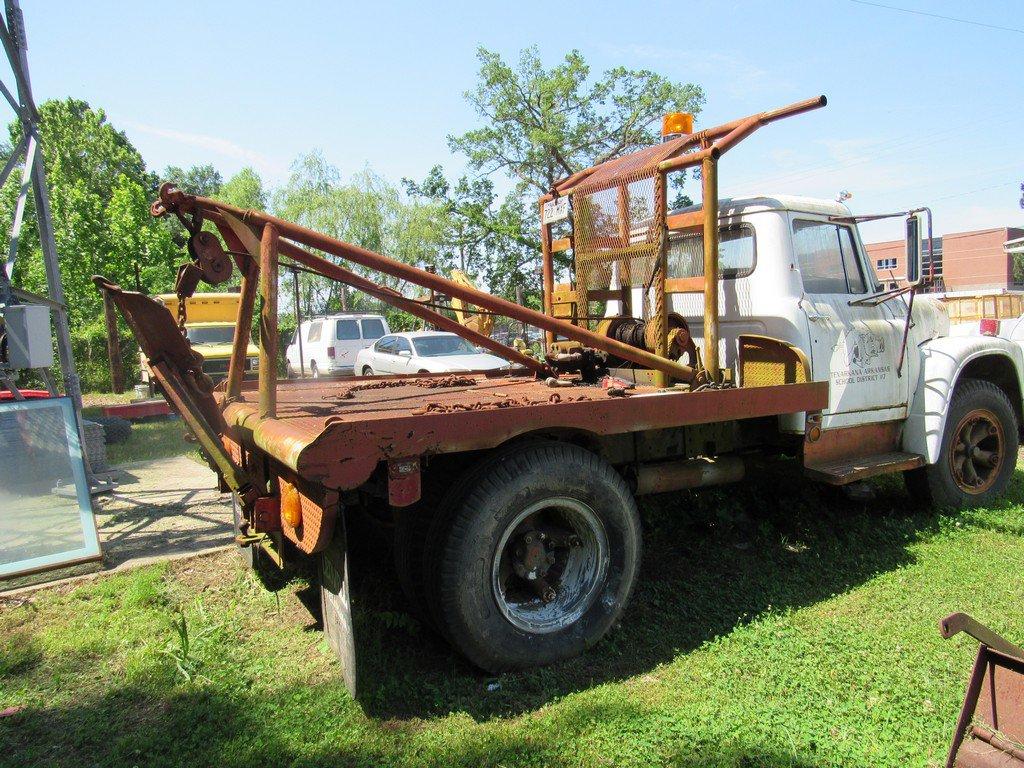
46 518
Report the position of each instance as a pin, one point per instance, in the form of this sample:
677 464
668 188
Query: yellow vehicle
482 323
210 328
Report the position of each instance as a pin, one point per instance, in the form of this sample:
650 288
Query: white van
329 344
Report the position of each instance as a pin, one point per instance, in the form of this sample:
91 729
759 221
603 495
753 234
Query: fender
942 363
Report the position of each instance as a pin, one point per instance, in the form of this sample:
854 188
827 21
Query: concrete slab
161 508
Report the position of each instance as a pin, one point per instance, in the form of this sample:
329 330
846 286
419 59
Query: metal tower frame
33 178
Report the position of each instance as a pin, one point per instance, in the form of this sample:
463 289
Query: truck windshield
439 346
217 334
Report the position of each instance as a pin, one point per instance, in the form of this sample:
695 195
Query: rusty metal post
268 323
660 319
520 301
709 180
298 321
113 346
243 325
625 263
547 276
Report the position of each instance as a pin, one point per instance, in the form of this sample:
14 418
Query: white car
424 352
329 344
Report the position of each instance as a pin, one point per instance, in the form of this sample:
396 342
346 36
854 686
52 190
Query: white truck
668 365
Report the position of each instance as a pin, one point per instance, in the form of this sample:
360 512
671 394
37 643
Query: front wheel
537 558
367 370
978 452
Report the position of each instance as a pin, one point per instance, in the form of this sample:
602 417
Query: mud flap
336 604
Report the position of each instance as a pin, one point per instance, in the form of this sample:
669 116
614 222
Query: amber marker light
675 123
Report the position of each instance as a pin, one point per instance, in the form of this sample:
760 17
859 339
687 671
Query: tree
366 211
244 190
202 180
486 239
99 194
467 205
542 125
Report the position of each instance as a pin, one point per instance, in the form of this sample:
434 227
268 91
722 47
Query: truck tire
536 558
978 452
115 429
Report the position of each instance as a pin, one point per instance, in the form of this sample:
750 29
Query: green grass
156 439
95 400
152 439
773 625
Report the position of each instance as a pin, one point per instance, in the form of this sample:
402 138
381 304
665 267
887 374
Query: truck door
853 346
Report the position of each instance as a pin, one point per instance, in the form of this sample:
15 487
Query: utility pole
113 345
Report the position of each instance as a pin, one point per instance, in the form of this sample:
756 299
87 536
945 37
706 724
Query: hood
477 362
222 351
931 317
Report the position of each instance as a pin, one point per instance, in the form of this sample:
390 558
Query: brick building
964 261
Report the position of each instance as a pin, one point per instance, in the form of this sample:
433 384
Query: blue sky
922 110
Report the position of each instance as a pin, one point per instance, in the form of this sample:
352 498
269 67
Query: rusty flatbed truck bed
339 432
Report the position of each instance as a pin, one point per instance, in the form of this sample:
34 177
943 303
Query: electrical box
29 343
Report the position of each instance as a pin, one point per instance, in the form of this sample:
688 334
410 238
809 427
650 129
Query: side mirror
405 353
914 249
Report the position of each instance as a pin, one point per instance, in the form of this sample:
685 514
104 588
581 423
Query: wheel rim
976 453
550 564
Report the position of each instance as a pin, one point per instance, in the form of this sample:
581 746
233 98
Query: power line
899 147
939 16
973 191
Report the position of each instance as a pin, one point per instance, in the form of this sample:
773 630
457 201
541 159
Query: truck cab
210 320
795 269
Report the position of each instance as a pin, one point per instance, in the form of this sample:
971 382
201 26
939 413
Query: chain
186 288
182 313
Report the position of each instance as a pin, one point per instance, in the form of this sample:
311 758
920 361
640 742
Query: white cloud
266 165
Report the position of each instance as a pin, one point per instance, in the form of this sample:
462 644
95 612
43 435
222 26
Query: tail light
291 504
330 352
989 326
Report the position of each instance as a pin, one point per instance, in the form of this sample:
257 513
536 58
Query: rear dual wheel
529 558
